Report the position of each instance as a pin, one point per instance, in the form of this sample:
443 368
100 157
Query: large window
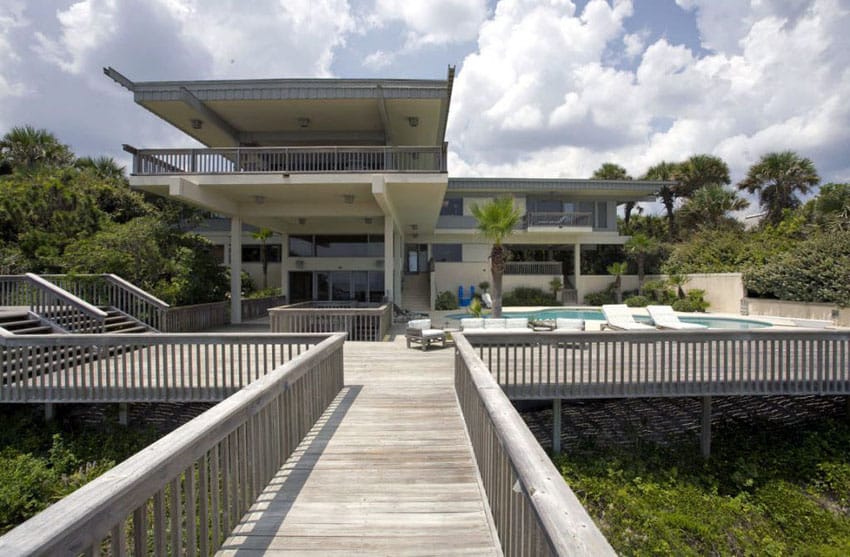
447 252
344 286
452 206
251 253
337 245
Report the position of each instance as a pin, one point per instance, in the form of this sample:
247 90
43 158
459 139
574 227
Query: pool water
596 315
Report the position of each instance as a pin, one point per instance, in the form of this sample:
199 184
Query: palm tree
25 148
103 167
709 207
262 235
618 270
611 171
667 172
777 178
700 171
496 221
678 281
638 247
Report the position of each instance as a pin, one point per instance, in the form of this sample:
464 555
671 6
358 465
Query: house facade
351 176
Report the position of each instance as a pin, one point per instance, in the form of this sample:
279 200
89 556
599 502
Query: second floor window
452 206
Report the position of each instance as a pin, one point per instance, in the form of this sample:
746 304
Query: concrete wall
723 291
799 310
448 276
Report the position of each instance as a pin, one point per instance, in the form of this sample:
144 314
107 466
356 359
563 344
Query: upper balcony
285 160
531 221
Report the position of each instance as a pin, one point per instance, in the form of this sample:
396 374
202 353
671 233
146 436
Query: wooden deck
387 470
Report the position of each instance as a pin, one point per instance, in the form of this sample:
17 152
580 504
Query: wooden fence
534 511
61 309
140 368
667 363
362 321
185 493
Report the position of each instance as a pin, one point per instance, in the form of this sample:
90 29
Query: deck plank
388 470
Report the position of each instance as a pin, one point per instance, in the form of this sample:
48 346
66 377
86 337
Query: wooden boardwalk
387 470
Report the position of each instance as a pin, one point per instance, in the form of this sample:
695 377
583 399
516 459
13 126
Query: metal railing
237 160
533 268
55 305
362 321
667 363
112 290
140 368
534 511
559 220
184 494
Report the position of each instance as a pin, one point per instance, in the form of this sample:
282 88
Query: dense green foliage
496 221
41 463
64 215
446 300
528 296
767 490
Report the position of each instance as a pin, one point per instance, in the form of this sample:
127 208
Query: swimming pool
596 315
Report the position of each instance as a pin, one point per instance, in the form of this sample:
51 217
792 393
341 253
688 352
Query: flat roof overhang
325 201
621 190
272 112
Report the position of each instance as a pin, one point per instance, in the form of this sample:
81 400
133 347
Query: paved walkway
388 470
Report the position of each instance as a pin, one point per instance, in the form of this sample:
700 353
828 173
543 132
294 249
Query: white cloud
433 22
541 97
11 18
378 60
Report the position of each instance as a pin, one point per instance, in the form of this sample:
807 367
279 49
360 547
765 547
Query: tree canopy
496 220
778 178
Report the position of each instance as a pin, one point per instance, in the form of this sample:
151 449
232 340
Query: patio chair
564 325
420 331
665 318
620 317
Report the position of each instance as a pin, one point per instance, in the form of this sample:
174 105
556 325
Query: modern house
351 175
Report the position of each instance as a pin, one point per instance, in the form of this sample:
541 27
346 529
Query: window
361 245
452 206
447 252
218 253
601 214
251 253
301 246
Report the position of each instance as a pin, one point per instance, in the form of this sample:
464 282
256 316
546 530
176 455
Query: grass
767 490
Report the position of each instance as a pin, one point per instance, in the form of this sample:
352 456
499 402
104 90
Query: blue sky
544 88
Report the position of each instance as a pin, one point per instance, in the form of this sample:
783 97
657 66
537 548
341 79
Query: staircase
416 292
118 322
23 323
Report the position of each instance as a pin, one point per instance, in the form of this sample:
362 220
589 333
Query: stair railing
53 304
112 290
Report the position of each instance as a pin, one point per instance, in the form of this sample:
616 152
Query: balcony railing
533 268
240 160
559 220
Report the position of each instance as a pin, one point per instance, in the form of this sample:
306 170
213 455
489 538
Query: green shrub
637 301
659 292
446 300
814 270
607 296
266 293
527 296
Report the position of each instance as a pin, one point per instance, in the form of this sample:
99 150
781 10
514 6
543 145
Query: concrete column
556 426
577 272
284 259
123 413
49 411
389 258
235 270
705 432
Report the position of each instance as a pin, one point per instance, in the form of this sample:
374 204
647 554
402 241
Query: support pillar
49 411
705 432
389 258
123 413
235 270
577 272
556 426
284 259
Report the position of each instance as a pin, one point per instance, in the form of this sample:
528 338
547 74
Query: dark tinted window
301 246
447 252
452 206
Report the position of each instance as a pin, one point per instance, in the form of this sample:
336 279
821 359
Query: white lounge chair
619 316
563 324
419 330
487 300
665 318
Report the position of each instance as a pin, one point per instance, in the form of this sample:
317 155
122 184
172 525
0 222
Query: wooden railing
362 321
534 511
559 220
254 308
197 317
667 363
140 368
533 268
237 160
51 303
112 290
184 494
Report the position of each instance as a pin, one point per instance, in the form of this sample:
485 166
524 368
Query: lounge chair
619 316
665 318
563 325
477 325
420 331
487 300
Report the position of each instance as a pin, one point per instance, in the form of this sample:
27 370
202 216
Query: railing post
705 433
556 426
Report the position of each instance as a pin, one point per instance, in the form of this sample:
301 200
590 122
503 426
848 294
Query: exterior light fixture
196 124
413 121
303 122
348 199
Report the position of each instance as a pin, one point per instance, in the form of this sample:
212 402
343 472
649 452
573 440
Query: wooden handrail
150 298
534 510
189 462
79 303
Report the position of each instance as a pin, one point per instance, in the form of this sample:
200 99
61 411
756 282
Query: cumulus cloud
11 18
433 22
541 95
